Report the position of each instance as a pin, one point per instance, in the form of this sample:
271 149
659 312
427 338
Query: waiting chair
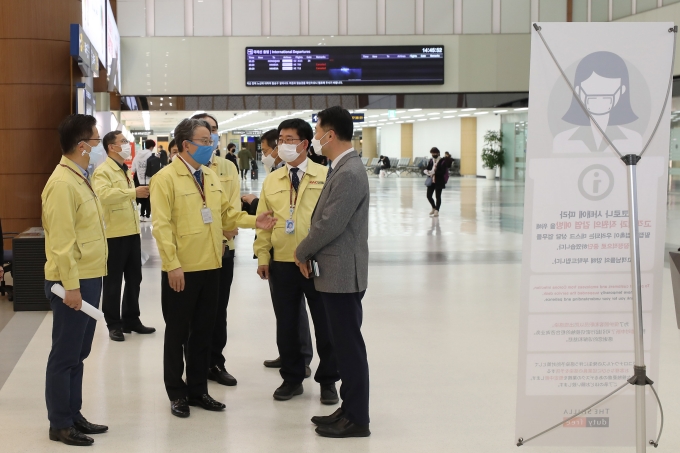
6 257
374 163
402 166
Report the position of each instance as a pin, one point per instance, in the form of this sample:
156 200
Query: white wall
444 134
485 123
390 141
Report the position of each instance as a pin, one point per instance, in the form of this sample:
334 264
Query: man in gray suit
338 241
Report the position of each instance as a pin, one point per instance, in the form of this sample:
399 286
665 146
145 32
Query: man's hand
176 279
263 271
265 221
73 299
303 266
142 191
248 198
230 234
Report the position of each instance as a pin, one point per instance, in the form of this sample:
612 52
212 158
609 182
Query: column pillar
468 146
370 142
35 86
407 140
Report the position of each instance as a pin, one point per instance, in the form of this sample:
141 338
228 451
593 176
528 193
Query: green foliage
492 153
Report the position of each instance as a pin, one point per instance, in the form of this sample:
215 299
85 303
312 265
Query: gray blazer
338 237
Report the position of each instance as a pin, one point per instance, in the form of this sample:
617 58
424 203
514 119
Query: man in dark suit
338 241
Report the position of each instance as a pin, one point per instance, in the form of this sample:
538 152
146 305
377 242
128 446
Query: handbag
428 181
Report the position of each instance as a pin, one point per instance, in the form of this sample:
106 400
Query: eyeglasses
124 142
204 141
288 141
89 140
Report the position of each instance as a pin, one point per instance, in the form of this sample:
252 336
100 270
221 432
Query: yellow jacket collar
311 170
72 165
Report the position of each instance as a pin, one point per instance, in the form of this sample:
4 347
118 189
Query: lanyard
126 175
81 177
198 186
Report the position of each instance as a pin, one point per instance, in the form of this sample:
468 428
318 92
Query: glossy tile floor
441 325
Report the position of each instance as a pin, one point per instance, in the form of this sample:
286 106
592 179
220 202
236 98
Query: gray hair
185 131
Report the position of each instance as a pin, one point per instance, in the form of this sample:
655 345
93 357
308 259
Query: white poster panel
576 326
94 25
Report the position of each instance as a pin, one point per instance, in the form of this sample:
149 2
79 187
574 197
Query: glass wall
514 130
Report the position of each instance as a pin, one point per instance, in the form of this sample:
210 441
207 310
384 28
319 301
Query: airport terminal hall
328 226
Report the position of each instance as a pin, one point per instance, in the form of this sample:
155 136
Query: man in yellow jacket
117 193
292 192
191 212
76 251
228 175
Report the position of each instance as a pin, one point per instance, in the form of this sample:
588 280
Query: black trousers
288 286
125 260
72 334
345 315
244 173
306 347
145 206
219 335
438 190
189 319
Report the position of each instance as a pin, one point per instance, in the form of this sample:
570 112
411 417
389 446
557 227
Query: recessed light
481 113
425 119
373 116
452 116
500 111
467 110
411 121
414 110
417 116
465 114
450 111
430 114
523 108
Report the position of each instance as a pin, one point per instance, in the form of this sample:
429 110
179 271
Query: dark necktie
197 176
294 179
330 168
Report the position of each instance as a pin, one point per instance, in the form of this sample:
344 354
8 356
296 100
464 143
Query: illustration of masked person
602 83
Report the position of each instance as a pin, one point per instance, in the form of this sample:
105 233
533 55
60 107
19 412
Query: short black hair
109 139
73 130
302 127
200 116
232 146
339 120
270 137
149 144
434 150
172 143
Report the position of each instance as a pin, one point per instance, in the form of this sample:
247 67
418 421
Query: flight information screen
344 66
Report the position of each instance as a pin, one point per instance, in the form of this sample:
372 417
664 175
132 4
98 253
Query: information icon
596 182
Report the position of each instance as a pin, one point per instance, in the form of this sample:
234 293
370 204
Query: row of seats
404 165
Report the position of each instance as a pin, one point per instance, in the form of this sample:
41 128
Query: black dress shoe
141 328
329 395
328 419
343 428
86 427
180 408
116 335
273 363
221 376
207 402
71 436
308 372
287 391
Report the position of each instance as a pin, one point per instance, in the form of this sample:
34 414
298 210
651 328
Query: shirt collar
302 167
82 170
193 170
122 166
339 158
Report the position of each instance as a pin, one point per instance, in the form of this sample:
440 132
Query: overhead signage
94 24
254 133
141 133
356 117
391 113
112 51
576 312
83 52
344 66
85 101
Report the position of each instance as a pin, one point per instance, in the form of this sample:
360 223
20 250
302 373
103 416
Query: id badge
206 213
290 226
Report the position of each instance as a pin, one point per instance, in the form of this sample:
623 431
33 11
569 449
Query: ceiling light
399 122
430 114
414 110
465 114
500 111
373 116
452 116
417 116
523 108
403 117
411 121
401 111
382 120
360 110
450 111
481 113
467 110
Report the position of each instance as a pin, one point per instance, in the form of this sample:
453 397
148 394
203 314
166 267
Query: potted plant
492 153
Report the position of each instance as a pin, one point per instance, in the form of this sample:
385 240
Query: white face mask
288 153
316 144
125 151
96 153
269 161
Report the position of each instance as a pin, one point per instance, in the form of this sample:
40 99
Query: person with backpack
141 179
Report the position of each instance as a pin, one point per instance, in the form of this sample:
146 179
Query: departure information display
344 66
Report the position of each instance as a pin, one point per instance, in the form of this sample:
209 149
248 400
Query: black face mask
435 156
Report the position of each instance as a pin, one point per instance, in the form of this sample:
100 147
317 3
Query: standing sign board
576 326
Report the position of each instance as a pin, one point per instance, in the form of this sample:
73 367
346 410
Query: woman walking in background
436 171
